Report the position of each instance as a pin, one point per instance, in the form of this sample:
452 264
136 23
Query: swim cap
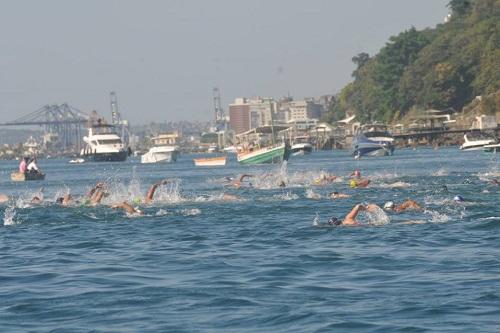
353 183
389 205
137 200
334 221
357 173
458 198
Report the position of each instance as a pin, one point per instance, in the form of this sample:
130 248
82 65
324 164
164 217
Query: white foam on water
376 216
310 194
441 172
190 212
395 185
437 217
287 196
9 216
169 193
316 220
161 212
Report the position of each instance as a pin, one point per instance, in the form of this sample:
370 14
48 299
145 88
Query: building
261 111
239 115
306 109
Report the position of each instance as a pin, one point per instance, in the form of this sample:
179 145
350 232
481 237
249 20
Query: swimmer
356 174
350 219
97 187
128 208
458 198
151 192
229 197
3 198
337 195
324 179
237 183
359 183
66 200
407 205
495 182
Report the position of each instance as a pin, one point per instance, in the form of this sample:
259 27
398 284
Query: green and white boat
255 151
276 154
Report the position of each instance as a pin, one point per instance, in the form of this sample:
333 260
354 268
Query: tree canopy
447 66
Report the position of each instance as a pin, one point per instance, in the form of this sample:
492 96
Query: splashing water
9 215
441 172
376 216
310 194
287 196
190 212
316 220
169 193
437 217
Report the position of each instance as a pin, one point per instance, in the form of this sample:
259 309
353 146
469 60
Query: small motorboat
77 161
475 141
21 177
211 161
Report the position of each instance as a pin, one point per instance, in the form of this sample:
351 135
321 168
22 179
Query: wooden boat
211 161
275 154
21 177
259 145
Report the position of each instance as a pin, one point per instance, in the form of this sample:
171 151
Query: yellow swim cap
137 200
353 183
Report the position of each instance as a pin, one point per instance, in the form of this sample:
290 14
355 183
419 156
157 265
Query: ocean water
263 262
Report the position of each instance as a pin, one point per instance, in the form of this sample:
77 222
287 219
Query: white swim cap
389 205
458 198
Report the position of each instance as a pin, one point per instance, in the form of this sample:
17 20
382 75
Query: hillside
447 66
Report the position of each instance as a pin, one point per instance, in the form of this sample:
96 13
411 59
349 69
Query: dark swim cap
334 221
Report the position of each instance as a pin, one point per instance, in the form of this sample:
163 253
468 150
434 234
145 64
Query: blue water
195 263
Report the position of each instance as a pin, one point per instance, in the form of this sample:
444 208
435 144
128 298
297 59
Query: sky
164 57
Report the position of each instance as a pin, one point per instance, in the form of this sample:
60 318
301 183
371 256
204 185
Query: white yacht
373 140
103 144
301 146
475 142
163 149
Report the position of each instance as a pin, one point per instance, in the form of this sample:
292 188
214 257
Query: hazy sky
164 57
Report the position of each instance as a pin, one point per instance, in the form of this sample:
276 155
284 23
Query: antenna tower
115 115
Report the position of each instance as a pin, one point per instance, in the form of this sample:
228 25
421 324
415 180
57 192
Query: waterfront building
239 115
305 109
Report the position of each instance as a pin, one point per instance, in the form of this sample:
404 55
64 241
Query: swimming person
151 192
407 205
237 183
337 195
458 198
350 219
128 208
3 198
359 183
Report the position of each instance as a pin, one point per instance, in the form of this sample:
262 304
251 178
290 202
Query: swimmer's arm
151 192
243 177
351 217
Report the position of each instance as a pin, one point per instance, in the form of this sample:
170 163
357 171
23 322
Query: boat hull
165 157
21 177
492 148
365 147
107 157
214 161
301 149
265 155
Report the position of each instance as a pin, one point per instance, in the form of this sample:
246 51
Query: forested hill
447 66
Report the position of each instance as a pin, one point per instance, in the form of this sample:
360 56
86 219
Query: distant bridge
63 120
